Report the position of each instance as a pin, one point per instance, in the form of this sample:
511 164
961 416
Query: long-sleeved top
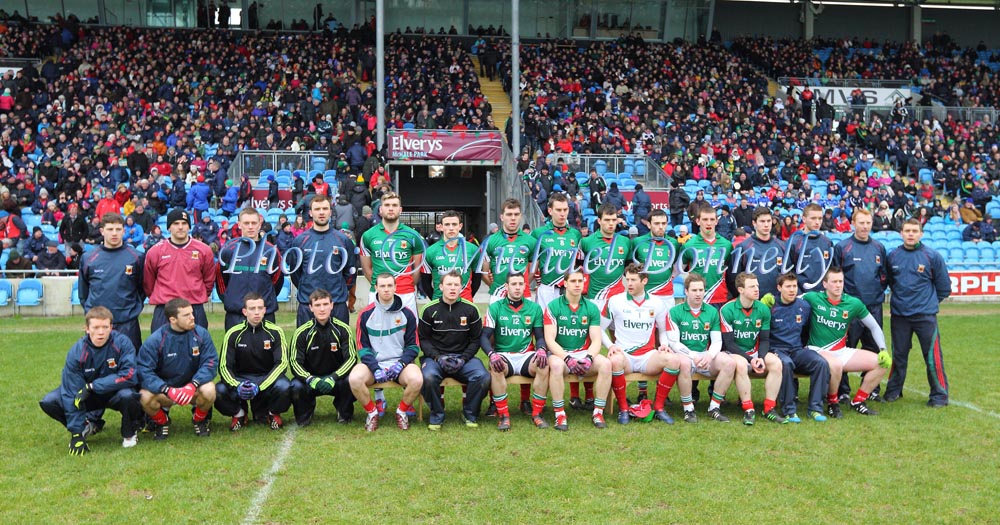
253 353
246 265
811 254
107 368
765 259
318 260
173 359
865 268
450 329
387 333
919 280
186 271
788 322
112 277
323 350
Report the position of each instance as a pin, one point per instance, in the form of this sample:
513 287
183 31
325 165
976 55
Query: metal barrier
844 82
252 162
982 114
512 186
653 176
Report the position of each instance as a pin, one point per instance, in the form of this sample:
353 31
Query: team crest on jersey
263 261
920 268
621 250
194 255
572 243
112 363
333 347
267 345
462 321
403 244
798 318
128 269
756 323
778 260
195 351
845 314
398 321
878 259
527 319
652 313
708 326
583 319
826 255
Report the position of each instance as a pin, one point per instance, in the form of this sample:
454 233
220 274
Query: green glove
885 359
331 384
82 395
78 445
314 382
768 300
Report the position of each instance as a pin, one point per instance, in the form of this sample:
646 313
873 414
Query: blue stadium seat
29 293
265 173
626 184
215 297
640 169
987 254
286 290
285 174
318 164
970 253
74 296
6 291
601 169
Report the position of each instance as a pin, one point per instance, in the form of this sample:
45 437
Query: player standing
556 250
509 250
810 252
452 252
180 267
248 263
762 254
394 248
708 254
325 260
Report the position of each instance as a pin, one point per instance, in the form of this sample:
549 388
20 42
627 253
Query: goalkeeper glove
885 359
541 358
81 396
314 382
328 385
768 300
78 445
497 362
393 371
381 376
584 365
572 364
248 390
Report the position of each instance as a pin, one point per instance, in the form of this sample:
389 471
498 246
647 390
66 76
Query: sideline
253 513
952 401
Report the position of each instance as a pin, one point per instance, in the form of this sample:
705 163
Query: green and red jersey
572 323
391 252
745 324
710 260
829 321
555 252
603 261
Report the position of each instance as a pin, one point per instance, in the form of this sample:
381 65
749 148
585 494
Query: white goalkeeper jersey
637 323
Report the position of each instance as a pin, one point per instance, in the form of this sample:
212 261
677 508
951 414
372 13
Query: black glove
81 396
78 445
451 363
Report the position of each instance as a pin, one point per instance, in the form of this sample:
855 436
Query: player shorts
518 363
546 293
409 301
638 362
844 354
700 371
579 354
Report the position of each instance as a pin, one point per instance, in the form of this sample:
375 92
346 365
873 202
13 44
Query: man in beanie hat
182 267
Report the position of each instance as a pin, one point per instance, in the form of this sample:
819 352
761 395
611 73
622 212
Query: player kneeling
517 348
746 335
633 316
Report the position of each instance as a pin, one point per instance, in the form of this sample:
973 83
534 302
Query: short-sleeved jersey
572 324
657 257
556 252
745 323
695 330
441 258
828 322
391 253
508 253
513 329
710 260
603 261
635 322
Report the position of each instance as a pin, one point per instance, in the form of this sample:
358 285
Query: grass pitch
909 465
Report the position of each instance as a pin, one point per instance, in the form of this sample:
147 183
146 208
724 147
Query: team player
509 250
708 254
866 277
573 336
179 267
832 313
556 250
99 373
387 348
111 276
641 342
248 263
321 357
322 258
394 248
603 256
452 252
810 252
789 317
762 254
176 366
700 340
252 368
746 334
919 279
514 339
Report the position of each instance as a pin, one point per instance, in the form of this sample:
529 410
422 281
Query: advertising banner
841 96
445 146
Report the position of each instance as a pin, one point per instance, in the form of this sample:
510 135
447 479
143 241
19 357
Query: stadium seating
6 291
29 293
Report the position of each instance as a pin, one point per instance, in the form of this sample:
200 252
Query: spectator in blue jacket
198 197
972 233
99 373
178 191
206 229
35 245
230 199
177 364
987 229
641 206
134 236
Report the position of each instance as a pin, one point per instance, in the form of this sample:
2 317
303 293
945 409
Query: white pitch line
257 505
962 404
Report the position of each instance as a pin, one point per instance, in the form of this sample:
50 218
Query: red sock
525 392
588 387
403 407
160 417
370 407
769 405
663 386
861 396
502 409
537 406
832 399
618 386
574 390
199 414
747 405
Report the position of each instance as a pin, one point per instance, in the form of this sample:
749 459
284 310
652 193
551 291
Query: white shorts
700 371
545 294
638 362
844 354
579 354
517 363
409 301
